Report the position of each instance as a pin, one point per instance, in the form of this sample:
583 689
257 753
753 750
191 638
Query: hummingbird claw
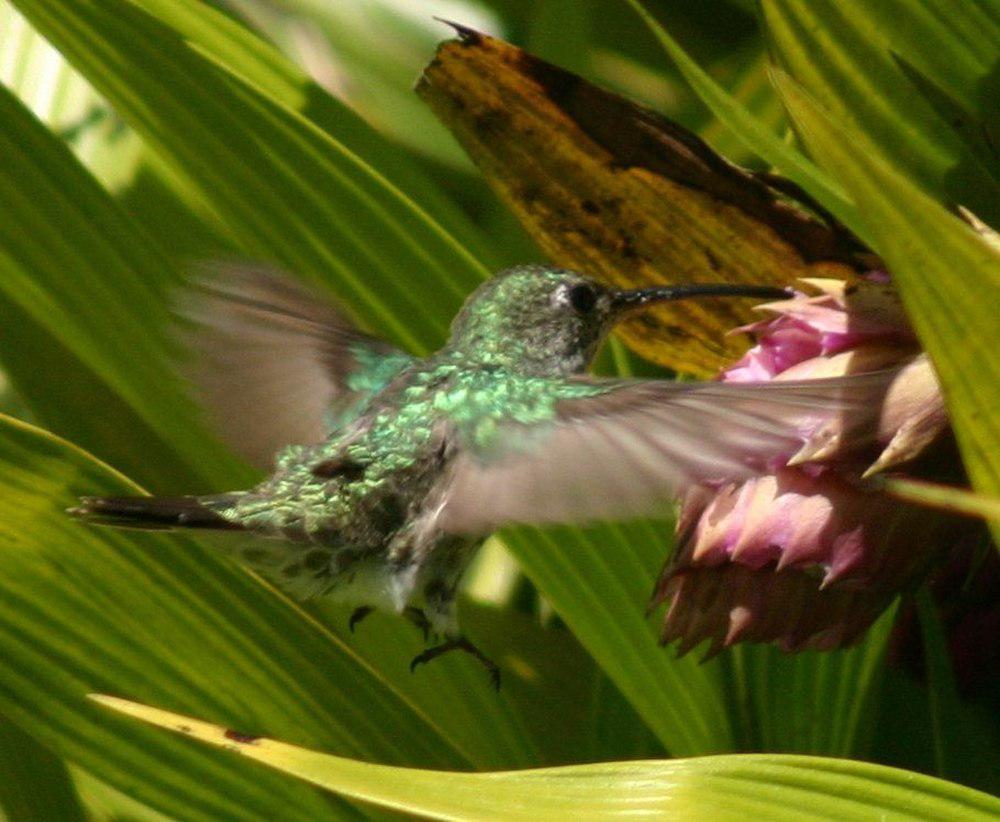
459 644
419 619
357 615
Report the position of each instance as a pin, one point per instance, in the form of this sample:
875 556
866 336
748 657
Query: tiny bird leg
419 619
357 615
459 644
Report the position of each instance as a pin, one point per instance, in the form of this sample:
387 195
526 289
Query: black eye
582 298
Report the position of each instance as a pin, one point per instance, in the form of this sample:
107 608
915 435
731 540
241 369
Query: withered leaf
613 189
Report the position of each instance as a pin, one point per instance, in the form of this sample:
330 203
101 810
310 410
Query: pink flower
809 556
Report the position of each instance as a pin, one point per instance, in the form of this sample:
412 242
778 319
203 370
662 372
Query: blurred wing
632 446
274 363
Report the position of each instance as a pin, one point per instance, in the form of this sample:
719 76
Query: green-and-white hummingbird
403 465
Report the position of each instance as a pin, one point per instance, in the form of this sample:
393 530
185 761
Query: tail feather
153 513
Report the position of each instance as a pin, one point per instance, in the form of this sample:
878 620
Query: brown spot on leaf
242 738
712 260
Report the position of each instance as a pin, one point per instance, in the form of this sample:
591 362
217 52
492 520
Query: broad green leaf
561 32
225 40
164 619
977 131
34 783
380 47
810 702
757 136
955 47
282 186
721 787
842 56
941 690
752 89
903 732
947 274
613 729
599 581
537 717
85 317
106 804
63 100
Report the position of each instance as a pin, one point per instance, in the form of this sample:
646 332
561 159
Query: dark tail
153 513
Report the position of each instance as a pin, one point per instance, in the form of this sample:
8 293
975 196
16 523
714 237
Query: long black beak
641 297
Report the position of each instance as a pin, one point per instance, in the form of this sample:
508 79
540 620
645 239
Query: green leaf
842 55
904 732
941 690
598 581
64 101
613 730
106 804
380 48
954 47
945 273
281 185
537 717
979 132
757 135
561 32
721 787
34 783
164 619
222 38
811 702
85 340
751 88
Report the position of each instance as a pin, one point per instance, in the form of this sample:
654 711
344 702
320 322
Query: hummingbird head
551 321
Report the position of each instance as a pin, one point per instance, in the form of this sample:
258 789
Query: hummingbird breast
349 511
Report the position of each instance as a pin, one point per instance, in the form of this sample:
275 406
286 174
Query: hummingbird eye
582 298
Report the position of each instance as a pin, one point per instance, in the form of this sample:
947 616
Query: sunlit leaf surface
723 787
267 172
846 56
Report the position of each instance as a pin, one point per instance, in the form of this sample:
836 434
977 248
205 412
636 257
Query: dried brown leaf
610 188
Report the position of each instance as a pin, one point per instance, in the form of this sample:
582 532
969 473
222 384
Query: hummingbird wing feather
629 447
274 363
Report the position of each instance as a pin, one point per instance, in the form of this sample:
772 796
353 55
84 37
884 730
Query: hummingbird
401 466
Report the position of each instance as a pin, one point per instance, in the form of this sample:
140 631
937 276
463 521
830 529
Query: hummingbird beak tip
640 297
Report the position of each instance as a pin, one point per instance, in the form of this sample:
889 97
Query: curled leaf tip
466 34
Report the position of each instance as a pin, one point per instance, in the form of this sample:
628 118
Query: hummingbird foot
357 615
418 618
459 644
